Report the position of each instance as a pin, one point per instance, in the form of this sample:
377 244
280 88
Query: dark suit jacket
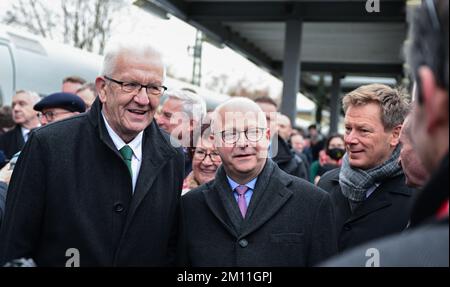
386 211
288 223
11 142
71 189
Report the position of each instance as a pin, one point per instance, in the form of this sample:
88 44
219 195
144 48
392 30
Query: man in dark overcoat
101 188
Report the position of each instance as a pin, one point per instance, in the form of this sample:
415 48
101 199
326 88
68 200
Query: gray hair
393 103
127 44
193 105
34 97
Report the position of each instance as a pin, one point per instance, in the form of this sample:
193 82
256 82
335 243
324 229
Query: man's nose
44 121
142 98
351 138
242 140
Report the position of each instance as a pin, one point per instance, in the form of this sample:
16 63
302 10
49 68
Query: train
29 62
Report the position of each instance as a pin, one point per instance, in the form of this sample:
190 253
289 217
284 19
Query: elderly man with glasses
102 188
59 106
253 213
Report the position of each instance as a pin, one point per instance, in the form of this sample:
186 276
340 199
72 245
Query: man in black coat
253 213
280 152
369 194
426 242
25 118
93 190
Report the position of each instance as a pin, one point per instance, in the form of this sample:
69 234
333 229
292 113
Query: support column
335 103
291 68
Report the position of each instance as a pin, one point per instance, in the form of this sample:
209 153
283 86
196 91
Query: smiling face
130 113
205 166
244 159
368 143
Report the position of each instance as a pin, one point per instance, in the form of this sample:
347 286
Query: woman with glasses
205 161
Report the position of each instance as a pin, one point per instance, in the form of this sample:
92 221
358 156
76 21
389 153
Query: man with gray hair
181 116
368 191
26 119
93 190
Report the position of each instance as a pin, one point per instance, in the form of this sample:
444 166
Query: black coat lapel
227 199
378 200
216 200
156 152
269 196
19 141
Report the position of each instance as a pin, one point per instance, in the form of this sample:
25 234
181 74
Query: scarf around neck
355 182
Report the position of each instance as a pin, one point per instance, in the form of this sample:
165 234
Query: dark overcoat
71 189
385 211
289 222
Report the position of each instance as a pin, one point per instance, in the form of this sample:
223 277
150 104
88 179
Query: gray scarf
355 182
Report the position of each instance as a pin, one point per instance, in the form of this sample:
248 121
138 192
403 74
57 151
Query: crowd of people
130 173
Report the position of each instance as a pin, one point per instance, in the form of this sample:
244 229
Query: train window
27 44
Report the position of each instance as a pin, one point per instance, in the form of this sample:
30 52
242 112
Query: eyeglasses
135 88
200 155
251 134
50 116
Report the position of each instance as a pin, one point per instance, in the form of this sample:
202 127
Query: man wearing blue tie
253 213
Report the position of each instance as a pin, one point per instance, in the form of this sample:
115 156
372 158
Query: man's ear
100 86
268 134
395 140
435 101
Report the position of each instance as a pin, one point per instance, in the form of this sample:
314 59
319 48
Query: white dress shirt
135 145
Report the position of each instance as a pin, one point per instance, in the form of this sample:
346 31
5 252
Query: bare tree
85 24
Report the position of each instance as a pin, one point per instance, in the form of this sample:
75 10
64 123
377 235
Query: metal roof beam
349 68
307 11
236 42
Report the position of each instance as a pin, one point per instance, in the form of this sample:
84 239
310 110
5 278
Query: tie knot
241 189
126 152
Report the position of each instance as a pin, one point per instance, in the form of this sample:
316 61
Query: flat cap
67 101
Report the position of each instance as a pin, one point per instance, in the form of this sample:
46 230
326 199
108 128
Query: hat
67 101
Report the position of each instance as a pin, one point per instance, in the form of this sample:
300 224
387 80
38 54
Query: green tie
127 153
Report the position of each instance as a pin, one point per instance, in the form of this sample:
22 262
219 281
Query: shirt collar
251 184
25 131
135 144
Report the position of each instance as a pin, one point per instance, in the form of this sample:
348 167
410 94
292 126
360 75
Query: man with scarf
369 194
426 242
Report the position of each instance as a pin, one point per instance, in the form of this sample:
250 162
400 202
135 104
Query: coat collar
156 151
380 197
269 195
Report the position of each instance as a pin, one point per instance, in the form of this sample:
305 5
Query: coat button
118 207
243 243
347 227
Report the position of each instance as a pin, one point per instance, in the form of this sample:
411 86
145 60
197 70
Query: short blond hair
393 102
